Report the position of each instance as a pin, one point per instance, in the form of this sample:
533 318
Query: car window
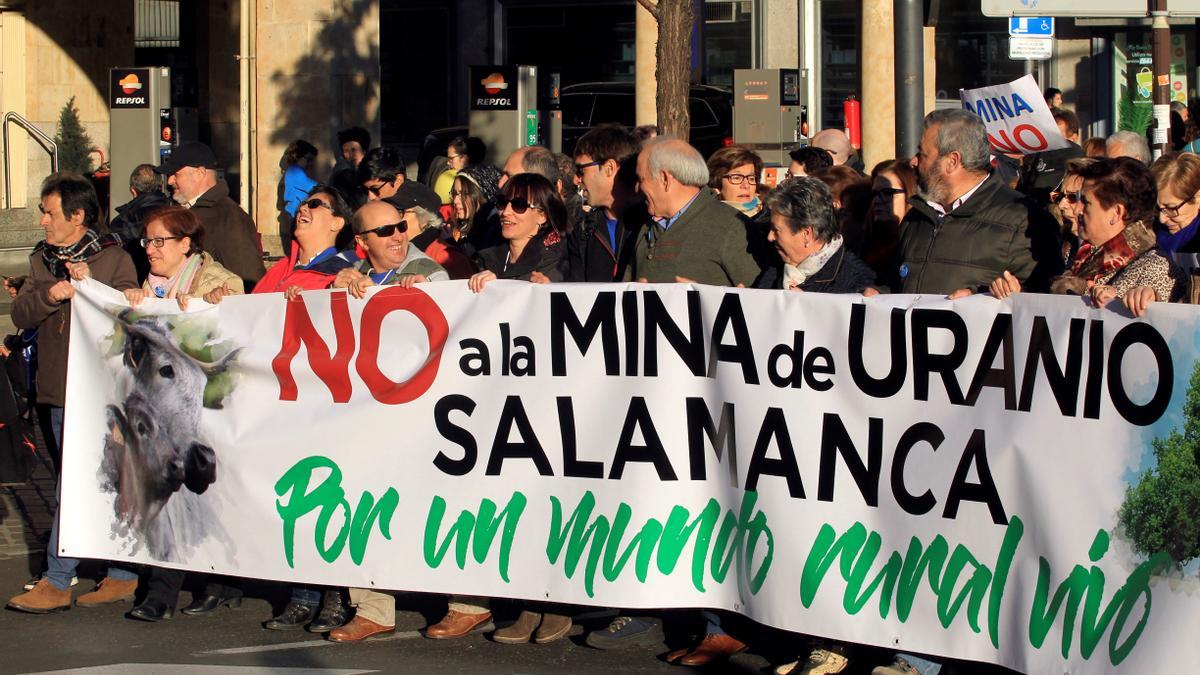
702 115
613 108
576 109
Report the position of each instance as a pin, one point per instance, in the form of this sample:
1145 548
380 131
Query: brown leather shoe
107 592
521 630
456 625
714 647
554 627
359 629
43 599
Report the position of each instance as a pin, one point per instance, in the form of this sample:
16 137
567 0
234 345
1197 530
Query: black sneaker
625 632
293 617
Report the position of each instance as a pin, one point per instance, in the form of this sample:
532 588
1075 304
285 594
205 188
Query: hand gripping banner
1007 481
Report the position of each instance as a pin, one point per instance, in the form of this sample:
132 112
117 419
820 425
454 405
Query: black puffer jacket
592 257
842 273
997 229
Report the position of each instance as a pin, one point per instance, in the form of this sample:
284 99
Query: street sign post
1092 8
1030 48
1031 26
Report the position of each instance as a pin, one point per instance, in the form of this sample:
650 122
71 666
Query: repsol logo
493 101
130 100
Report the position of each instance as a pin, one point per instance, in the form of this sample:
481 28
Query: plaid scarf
57 257
1097 264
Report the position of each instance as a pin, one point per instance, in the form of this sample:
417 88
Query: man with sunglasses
605 162
382 231
382 176
229 233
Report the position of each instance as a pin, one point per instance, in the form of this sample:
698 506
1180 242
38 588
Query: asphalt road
102 640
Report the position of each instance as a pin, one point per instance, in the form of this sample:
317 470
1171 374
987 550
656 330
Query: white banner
975 479
1017 117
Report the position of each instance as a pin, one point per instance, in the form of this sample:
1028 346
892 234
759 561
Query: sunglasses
519 204
884 194
1057 196
315 203
156 242
384 231
579 168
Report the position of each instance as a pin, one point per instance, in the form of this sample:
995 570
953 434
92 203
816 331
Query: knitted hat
485 177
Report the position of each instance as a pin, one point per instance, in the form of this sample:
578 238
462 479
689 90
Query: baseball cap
188 154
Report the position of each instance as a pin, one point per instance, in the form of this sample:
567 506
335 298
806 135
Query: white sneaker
819 662
33 582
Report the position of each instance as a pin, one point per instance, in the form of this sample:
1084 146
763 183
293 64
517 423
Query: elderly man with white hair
692 236
1127 144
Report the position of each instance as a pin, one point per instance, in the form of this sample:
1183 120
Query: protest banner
1017 117
1006 481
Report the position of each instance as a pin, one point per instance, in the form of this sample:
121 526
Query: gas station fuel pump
503 111
142 128
769 116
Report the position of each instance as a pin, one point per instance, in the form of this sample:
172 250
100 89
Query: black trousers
164 586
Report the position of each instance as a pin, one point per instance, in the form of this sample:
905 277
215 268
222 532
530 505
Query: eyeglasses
1057 196
156 242
315 203
1172 210
739 178
384 231
519 204
579 168
884 194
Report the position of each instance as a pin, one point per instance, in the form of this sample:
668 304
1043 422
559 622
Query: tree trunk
674 53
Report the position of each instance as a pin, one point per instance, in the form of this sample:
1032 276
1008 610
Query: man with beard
967 227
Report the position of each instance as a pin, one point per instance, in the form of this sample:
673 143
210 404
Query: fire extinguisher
852 111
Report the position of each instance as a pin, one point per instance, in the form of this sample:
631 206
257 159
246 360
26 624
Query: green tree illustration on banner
1162 511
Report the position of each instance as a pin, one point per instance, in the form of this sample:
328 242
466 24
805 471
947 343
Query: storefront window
841 24
728 39
972 50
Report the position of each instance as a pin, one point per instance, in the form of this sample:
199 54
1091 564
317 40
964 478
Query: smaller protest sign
1017 117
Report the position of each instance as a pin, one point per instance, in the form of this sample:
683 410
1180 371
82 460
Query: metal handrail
38 134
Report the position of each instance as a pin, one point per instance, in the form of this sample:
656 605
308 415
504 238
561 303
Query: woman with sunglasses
320 234
532 218
179 267
1118 257
1178 180
893 181
1065 198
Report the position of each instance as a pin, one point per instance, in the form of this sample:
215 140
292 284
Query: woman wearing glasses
892 182
1178 180
532 218
314 261
1118 257
179 267
733 175
1065 198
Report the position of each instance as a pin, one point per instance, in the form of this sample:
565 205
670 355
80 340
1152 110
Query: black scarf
57 257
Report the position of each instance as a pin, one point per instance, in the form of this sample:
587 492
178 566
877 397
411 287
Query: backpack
18 447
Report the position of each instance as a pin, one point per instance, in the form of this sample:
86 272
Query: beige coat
212 276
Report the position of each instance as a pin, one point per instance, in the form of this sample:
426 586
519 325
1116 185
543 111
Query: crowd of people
957 219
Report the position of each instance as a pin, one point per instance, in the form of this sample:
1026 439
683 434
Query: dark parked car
589 104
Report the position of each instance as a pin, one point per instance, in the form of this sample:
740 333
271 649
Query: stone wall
70 46
317 71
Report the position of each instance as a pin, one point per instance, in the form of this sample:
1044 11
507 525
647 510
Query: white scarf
794 276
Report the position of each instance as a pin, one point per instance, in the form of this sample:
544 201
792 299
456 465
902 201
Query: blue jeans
59 570
924 667
303 595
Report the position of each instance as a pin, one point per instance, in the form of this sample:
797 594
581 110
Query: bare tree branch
651 6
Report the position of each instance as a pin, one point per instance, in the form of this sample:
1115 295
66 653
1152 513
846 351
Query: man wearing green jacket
692 236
